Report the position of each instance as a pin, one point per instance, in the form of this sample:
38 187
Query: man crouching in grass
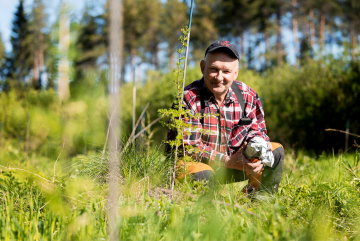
232 117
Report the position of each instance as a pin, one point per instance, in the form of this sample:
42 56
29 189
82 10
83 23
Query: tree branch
346 132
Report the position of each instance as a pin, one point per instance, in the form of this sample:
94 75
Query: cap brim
224 47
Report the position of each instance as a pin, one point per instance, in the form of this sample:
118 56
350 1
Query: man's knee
279 154
203 176
196 170
271 176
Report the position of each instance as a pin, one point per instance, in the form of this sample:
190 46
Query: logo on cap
225 43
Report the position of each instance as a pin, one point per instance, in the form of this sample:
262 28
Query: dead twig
131 139
147 127
351 171
356 188
15 168
356 145
46 203
58 159
345 132
108 131
138 121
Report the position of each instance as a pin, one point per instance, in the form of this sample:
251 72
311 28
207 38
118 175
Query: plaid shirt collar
230 96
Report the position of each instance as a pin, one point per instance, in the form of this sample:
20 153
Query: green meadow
318 199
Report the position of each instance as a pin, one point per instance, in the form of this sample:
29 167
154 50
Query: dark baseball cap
218 44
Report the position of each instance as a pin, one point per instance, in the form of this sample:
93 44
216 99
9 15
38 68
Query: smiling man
232 117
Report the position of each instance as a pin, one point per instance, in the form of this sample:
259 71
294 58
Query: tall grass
136 162
318 200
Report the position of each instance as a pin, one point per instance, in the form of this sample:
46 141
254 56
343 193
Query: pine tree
204 28
349 14
328 10
90 44
141 20
37 25
295 29
235 17
21 44
279 48
174 19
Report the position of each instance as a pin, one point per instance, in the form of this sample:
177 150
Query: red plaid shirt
223 136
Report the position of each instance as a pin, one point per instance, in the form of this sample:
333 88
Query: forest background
319 90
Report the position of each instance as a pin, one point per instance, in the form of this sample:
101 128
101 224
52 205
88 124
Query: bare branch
346 132
132 138
356 145
107 135
58 159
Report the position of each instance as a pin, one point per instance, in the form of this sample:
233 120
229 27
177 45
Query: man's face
219 70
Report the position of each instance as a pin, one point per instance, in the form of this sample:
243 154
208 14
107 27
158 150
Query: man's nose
220 76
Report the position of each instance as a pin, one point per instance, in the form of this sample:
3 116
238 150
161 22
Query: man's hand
239 162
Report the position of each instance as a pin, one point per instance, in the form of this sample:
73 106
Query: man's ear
236 73
202 66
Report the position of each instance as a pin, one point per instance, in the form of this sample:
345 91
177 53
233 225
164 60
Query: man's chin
218 90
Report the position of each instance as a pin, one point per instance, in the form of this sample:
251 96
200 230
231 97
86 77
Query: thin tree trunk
64 65
115 53
156 57
295 31
242 50
353 42
41 54
123 71
1 134
266 34
134 97
36 68
171 59
352 31
278 33
312 27
322 28
27 135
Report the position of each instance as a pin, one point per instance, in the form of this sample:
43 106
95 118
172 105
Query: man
227 126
